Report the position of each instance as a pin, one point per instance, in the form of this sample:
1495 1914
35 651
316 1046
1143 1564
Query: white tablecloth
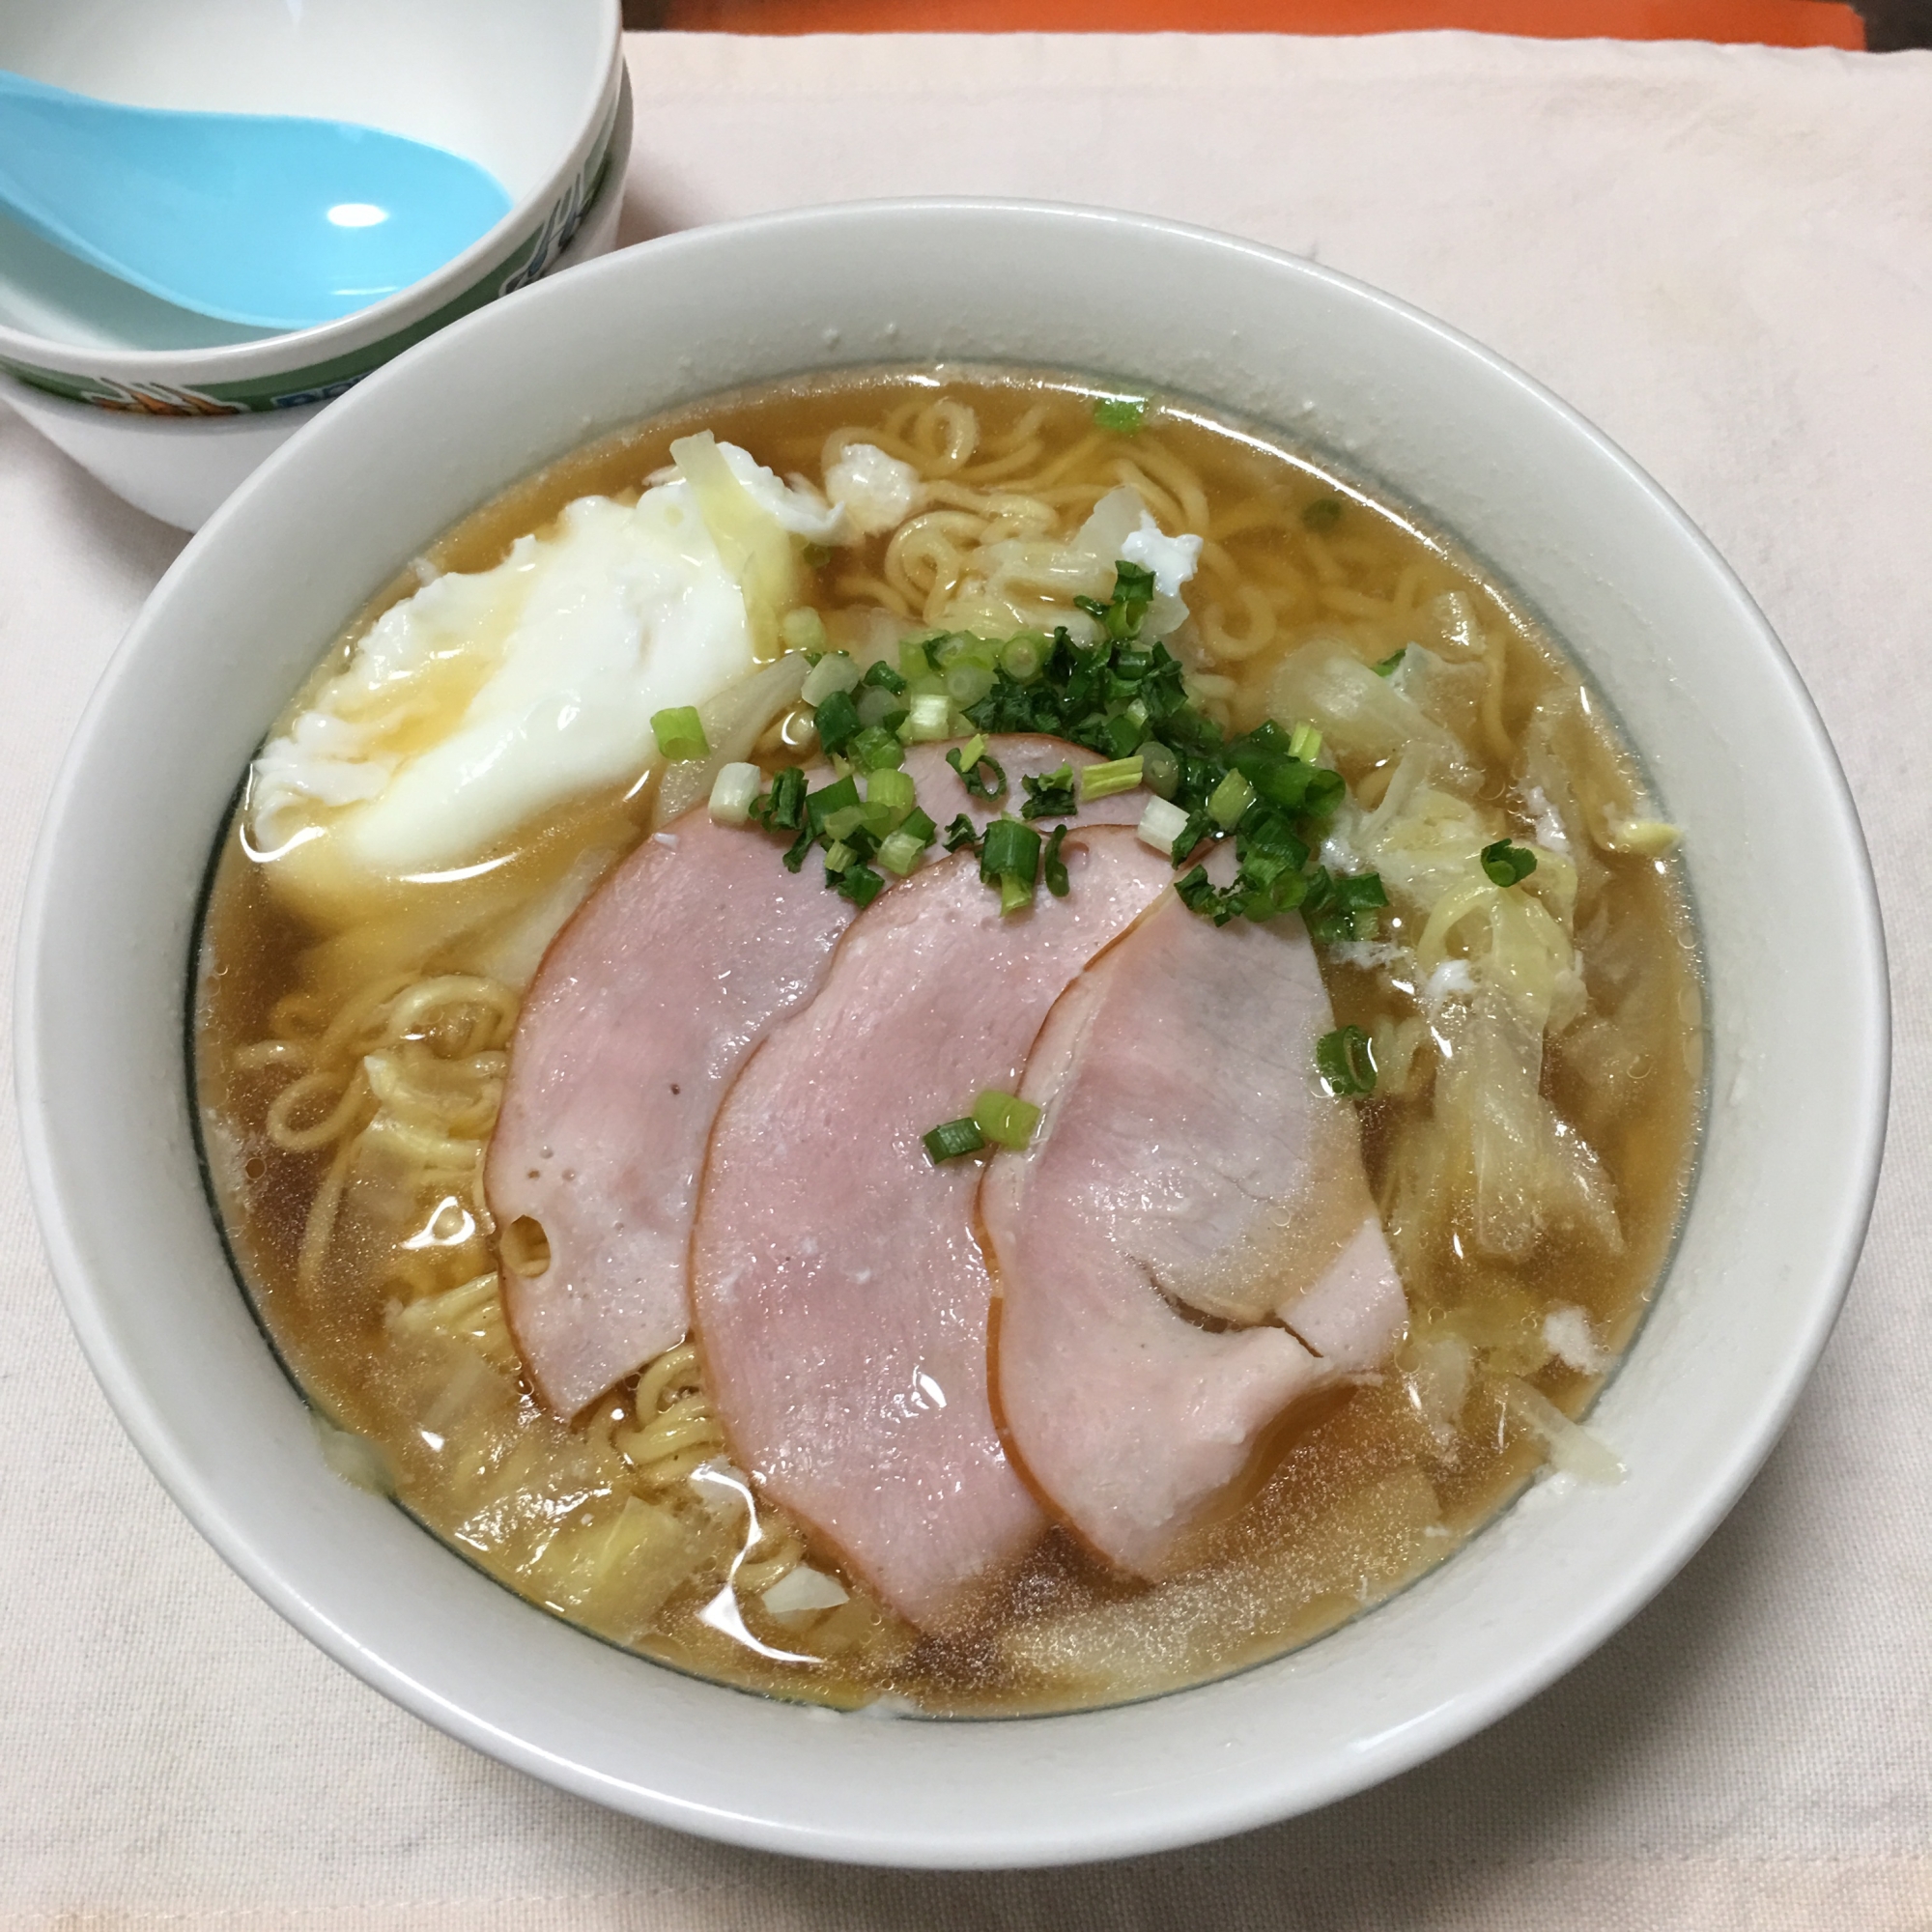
1724 257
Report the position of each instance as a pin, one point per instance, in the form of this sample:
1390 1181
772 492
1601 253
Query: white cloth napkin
1724 255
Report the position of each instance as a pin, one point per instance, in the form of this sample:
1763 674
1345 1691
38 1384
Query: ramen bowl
530 90
1798 1054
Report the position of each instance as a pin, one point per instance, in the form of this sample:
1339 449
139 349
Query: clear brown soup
375 1278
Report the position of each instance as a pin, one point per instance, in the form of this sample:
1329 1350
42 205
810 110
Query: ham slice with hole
641 1016
838 1290
1187 1166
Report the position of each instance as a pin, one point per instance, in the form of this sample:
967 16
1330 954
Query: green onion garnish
1121 415
1339 910
820 805
1304 741
734 794
1010 858
1052 866
837 718
900 852
1392 664
861 884
881 676
1324 514
1006 1119
960 834
1508 865
1229 799
877 749
838 855
967 681
1023 654
1051 795
970 760
1346 1061
892 788
952 1138
1115 776
835 671
680 735
928 718
816 555
1161 768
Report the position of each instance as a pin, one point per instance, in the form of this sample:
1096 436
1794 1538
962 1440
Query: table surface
1724 255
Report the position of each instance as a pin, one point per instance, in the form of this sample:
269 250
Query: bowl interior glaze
1797 1016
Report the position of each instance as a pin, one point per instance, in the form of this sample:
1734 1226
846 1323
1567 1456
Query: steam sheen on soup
948 1037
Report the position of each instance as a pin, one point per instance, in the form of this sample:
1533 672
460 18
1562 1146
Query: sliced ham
839 1294
1187 1159
639 1018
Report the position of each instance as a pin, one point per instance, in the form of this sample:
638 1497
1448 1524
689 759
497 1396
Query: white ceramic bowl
528 88
1798 1014
181 468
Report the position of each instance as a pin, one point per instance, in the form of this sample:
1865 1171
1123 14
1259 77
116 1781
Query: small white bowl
1799 1046
528 88
179 467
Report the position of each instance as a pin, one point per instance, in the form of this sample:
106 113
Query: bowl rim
288 351
605 204
1716 1489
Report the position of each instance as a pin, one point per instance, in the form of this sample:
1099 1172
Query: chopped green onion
1119 416
1341 909
847 820
861 884
900 852
1161 824
680 735
1051 795
1161 768
733 793
1052 866
1023 655
881 676
1508 865
1304 743
967 682
1228 799
821 804
1392 664
835 671
951 1138
1346 1061
914 659
1004 1118
838 855
879 706
803 629
928 719
837 718
794 855
877 749
1117 775
816 555
1324 514
1198 894
960 832
969 760
1010 850
782 809
893 789
1015 893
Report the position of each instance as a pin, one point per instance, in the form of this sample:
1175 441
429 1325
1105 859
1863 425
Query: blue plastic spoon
260 219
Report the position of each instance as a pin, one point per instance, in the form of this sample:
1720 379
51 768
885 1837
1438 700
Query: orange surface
1786 23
